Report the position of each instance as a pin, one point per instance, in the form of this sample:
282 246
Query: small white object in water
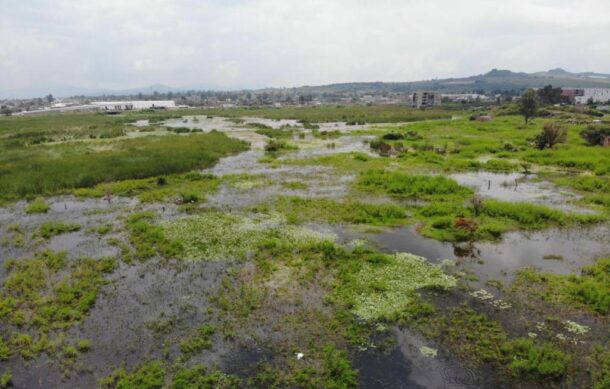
482 294
300 356
576 328
428 351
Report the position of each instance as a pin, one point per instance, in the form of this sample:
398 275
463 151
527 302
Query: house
595 95
424 99
133 105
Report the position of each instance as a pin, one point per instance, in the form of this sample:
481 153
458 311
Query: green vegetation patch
412 186
49 229
215 235
47 169
156 375
590 289
49 291
176 187
300 210
38 205
383 290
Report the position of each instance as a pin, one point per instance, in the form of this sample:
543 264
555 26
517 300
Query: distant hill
494 80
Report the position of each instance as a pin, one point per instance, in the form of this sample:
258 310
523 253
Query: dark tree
549 95
49 98
528 105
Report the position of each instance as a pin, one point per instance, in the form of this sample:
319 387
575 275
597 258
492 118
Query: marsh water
179 292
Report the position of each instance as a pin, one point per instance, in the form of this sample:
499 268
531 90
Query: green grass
156 375
49 229
301 210
38 205
328 113
590 289
49 291
149 239
202 340
176 187
48 169
411 186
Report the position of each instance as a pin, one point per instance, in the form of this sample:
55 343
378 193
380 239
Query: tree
549 95
528 105
552 134
49 98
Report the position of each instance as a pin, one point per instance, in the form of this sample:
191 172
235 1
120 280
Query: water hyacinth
218 236
428 351
576 328
482 294
386 290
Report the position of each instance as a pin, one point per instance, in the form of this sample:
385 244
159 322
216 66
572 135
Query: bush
595 134
552 134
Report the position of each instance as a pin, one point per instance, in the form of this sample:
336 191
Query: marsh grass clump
300 210
199 341
64 167
157 189
275 133
6 379
413 186
539 362
159 375
49 229
275 146
149 239
38 205
590 289
51 290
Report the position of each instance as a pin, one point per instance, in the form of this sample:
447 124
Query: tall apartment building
424 99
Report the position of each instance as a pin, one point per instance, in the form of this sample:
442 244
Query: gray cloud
254 43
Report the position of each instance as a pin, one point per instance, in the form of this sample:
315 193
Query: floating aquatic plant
216 235
576 328
428 351
386 289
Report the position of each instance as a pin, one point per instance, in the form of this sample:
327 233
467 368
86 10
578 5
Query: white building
597 95
129 105
423 99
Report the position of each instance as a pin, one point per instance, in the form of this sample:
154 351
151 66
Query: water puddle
517 187
558 251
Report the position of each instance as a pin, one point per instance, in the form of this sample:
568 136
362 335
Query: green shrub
595 134
39 205
527 360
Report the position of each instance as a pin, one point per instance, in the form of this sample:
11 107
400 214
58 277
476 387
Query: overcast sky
231 44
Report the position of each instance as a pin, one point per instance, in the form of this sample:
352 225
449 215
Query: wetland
320 247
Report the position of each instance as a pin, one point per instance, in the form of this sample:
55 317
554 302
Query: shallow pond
518 188
558 251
